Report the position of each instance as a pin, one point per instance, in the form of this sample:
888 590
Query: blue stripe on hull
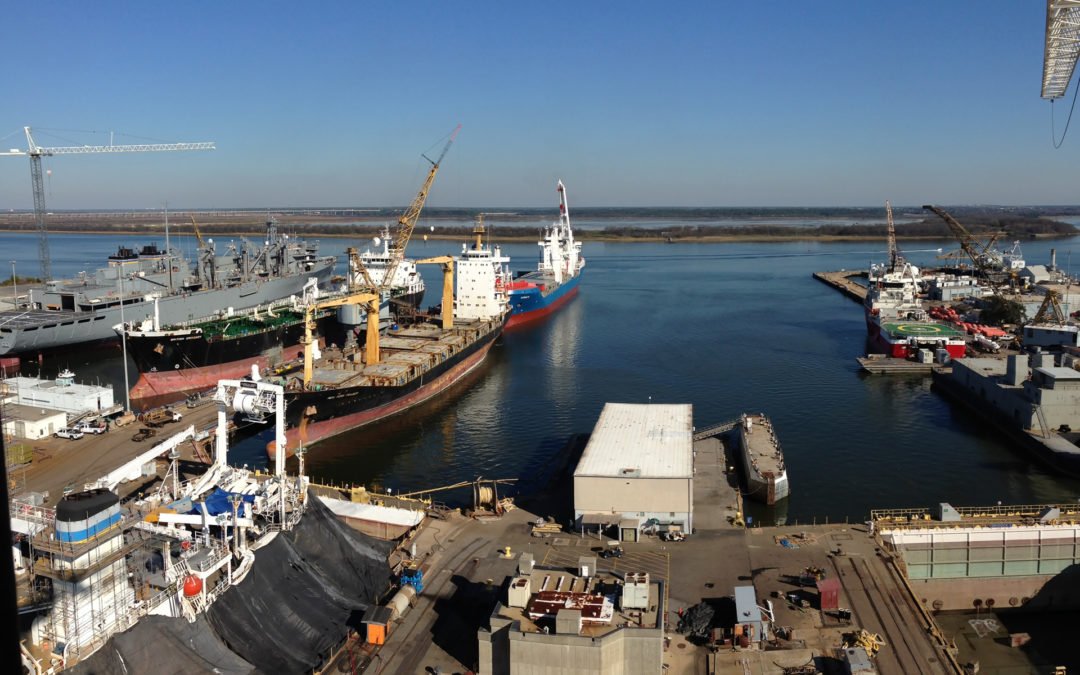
532 300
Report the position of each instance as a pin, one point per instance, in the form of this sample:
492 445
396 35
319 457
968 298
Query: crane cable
1058 144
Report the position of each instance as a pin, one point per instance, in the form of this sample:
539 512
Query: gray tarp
306 588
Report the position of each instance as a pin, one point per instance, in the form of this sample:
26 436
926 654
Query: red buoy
192 586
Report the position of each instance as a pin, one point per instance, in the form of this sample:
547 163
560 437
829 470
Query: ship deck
29 318
921 329
763 447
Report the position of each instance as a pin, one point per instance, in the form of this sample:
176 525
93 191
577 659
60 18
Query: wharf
465 564
60 462
842 282
893 366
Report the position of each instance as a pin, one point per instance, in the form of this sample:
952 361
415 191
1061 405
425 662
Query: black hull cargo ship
418 363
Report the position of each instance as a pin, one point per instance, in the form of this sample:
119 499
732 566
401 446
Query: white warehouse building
637 469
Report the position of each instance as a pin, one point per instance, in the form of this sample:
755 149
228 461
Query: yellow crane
370 300
447 263
1050 307
198 235
407 222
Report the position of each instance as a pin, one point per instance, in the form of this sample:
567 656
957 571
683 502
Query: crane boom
198 235
36 152
407 222
894 251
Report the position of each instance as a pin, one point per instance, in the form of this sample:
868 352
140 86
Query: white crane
36 152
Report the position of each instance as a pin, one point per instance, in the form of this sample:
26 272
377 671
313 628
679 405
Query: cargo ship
149 281
189 357
762 459
896 323
536 294
347 387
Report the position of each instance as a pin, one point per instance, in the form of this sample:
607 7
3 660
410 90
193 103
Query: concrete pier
842 282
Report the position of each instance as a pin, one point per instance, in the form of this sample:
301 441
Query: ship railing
1003 511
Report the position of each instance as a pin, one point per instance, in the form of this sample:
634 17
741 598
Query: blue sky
631 104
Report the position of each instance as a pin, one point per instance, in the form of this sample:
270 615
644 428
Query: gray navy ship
151 283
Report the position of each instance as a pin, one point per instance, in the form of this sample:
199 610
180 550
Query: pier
842 282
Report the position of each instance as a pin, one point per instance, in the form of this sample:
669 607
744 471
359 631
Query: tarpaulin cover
306 588
218 502
696 620
160 644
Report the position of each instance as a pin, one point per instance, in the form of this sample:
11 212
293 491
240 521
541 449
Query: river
726 327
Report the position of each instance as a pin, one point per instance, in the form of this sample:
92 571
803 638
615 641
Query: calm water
725 327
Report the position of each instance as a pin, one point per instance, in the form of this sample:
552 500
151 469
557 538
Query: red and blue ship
537 294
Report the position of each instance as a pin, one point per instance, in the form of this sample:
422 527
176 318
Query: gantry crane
1050 307
36 152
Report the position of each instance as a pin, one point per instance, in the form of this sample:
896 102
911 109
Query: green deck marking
920 329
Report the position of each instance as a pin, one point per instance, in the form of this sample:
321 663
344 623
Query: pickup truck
71 434
143 434
91 427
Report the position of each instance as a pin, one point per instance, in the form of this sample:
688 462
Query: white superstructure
560 255
406 281
481 279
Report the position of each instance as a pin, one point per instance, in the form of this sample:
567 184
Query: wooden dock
842 282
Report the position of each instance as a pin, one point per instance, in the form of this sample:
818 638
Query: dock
888 365
842 282
59 463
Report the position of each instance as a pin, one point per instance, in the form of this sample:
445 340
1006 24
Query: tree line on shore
980 223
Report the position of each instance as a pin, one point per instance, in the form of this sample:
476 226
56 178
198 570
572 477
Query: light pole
15 286
123 341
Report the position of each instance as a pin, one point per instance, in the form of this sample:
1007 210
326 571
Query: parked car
143 434
91 427
72 434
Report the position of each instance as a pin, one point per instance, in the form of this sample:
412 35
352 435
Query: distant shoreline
580 235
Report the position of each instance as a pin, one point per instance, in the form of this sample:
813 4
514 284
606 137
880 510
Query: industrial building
637 470
31 422
63 393
578 622
1036 397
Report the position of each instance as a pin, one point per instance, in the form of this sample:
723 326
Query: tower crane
36 152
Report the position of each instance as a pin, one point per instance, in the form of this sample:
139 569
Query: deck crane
981 255
36 152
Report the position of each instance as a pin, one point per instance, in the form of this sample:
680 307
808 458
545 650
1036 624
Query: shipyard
519 340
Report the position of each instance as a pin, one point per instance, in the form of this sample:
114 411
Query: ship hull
880 341
532 304
42 331
767 487
314 416
174 365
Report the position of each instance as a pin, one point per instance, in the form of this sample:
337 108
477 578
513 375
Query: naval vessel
164 285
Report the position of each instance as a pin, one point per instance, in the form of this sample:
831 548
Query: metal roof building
637 469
